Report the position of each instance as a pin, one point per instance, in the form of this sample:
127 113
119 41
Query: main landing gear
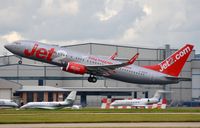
92 79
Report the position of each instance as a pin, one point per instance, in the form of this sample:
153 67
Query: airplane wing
109 69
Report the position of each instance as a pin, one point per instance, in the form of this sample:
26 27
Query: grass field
99 115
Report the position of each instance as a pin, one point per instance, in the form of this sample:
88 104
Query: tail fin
158 94
71 97
174 63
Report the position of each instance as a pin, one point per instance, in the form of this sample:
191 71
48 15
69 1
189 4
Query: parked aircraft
7 103
166 72
143 102
68 102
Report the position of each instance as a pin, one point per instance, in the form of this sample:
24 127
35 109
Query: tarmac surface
103 125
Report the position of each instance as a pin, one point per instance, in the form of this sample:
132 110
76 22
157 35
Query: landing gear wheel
20 62
92 79
89 79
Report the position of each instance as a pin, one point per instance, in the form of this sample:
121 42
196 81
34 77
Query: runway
103 125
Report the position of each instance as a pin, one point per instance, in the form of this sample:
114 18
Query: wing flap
109 69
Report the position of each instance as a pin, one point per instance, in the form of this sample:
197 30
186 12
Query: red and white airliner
166 72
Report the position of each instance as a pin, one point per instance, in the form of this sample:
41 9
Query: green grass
83 118
98 110
97 115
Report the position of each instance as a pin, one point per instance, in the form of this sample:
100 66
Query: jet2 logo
166 64
40 53
175 58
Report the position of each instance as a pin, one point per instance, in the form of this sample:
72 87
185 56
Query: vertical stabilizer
174 63
71 97
157 95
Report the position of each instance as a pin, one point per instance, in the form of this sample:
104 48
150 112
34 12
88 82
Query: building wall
196 79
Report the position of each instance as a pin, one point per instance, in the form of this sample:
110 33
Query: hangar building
36 81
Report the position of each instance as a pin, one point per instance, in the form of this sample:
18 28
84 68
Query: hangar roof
40 89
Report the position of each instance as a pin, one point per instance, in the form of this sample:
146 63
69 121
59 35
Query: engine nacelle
75 68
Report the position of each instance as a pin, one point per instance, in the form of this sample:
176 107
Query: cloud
163 22
12 36
59 7
111 9
123 22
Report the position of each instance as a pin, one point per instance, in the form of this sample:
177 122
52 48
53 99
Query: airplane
143 102
166 72
8 103
68 102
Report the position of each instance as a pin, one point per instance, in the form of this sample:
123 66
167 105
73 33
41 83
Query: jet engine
76 68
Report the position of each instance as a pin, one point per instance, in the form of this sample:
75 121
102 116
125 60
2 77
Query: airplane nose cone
8 46
12 47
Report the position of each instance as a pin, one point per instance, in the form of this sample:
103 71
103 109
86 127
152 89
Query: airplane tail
71 97
158 94
174 63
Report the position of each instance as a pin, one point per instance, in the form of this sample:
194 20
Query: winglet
132 60
113 56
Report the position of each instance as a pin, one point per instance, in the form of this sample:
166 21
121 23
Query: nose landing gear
20 60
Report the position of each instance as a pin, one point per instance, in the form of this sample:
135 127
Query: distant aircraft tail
174 63
158 94
71 97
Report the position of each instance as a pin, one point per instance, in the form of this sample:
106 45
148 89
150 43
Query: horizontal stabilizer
179 78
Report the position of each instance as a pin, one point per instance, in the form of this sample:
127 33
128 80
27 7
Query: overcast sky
145 23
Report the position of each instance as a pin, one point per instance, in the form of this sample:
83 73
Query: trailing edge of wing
102 69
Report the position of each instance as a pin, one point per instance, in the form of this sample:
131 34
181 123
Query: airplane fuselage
50 54
46 105
135 102
7 103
